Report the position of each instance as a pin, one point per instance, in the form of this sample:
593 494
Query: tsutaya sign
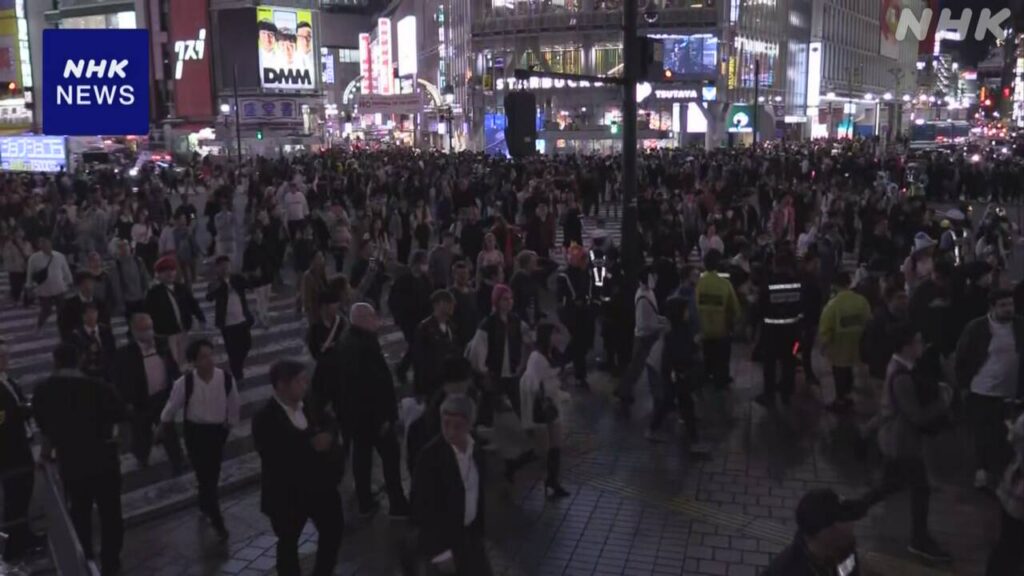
676 94
185 50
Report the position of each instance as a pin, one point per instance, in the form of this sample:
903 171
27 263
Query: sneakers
981 480
927 549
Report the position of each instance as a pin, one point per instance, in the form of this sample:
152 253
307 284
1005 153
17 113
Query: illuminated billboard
33 153
385 77
286 54
193 94
407 48
692 54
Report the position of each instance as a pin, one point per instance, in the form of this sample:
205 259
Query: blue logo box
95 82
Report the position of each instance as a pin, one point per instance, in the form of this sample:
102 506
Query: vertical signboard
888 22
365 65
193 91
384 43
407 47
287 60
814 76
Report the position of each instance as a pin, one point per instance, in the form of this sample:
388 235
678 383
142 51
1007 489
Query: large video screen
286 46
32 153
694 54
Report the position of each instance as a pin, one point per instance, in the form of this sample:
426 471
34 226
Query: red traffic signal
1006 91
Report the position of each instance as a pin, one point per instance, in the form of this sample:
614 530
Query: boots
552 488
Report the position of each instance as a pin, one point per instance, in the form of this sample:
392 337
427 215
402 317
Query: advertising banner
264 111
365 65
95 82
390 104
888 21
407 48
32 153
287 59
740 118
193 91
384 45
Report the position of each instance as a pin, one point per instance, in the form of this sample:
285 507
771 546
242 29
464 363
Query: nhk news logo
95 82
903 22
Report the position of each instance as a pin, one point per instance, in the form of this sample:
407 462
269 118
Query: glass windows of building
112 21
348 55
607 60
567 60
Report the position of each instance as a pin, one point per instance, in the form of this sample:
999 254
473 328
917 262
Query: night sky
971 50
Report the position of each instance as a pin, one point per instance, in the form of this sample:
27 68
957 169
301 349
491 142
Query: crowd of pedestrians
503 324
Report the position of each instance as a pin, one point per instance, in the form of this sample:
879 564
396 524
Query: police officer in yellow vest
718 308
781 315
842 324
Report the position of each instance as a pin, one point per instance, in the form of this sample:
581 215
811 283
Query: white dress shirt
296 415
233 313
156 370
208 404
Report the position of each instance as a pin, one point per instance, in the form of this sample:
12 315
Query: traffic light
1006 91
259 134
615 127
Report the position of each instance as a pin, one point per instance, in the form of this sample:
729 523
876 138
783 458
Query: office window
607 59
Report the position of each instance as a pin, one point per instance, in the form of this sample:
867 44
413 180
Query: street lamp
448 93
887 96
225 108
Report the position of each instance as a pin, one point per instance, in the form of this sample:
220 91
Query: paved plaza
636 507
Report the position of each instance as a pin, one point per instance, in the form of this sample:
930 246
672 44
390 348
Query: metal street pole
238 115
757 95
630 242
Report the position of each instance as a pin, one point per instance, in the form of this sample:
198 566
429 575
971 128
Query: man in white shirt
450 515
296 209
231 315
48 273
988 358
208 398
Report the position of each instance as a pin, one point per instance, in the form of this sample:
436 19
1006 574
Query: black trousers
17 285
641 350
386 445
843 376
581 340
1009 550
991 451
902 474
143 419
717 357
470 557
680 386
237 343
102 490
17 497
326 513
205 445
810 336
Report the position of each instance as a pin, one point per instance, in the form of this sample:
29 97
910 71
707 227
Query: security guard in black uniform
781 318
575 312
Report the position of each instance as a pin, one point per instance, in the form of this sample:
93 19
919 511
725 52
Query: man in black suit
448 496
435 341
301 468
143 373
77 416
172 307
365 403
409 302
16 465
95 343
324 336
69 315
231 315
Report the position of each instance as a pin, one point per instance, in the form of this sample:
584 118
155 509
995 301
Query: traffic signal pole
630 241
238 115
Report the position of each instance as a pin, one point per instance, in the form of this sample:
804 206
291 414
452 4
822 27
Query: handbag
40 276
545 411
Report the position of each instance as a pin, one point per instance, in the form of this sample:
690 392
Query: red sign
190 59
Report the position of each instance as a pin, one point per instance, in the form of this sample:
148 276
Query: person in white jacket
540 385
57 281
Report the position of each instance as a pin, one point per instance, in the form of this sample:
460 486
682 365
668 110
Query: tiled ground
639 508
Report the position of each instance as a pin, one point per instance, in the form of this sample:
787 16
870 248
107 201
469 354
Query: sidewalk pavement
636 507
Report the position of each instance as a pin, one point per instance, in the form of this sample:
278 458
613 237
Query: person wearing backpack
914 407
207 397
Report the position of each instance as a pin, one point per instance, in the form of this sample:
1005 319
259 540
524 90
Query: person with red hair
575 311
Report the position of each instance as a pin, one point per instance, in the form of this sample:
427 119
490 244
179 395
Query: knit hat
923 241
165 264
499 292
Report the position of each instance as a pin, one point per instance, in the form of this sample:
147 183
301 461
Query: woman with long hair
539 395
314 283
491 255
